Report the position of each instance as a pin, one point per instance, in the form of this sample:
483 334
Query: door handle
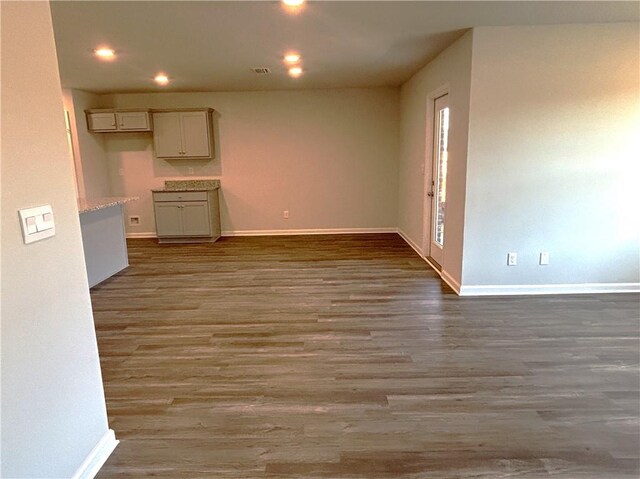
430 194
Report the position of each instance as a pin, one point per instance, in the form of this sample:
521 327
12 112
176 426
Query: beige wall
329 157
554 156
451 69
92 168
53 410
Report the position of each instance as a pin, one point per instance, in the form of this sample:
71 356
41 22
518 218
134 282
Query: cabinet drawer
180 196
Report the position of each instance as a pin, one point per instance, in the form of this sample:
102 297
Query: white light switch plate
544 258
37 223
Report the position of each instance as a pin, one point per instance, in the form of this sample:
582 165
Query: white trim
410 242
335 231
146 234
533 289
97 457
523 289
446 277
461 290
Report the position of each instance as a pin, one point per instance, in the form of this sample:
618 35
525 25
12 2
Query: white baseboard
535 289
446 277
97 457
462 290
145 234
334 231
410 242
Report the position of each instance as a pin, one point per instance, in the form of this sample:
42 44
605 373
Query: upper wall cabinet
105 121
183 133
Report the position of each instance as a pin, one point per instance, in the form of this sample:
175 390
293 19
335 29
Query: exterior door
438 192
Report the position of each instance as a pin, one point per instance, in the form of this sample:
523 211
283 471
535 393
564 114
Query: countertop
189 185
93 204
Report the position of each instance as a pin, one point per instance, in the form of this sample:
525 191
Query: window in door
441 174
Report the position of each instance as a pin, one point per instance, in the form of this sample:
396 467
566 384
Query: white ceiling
211 45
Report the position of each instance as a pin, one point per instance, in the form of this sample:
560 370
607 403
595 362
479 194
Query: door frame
427 166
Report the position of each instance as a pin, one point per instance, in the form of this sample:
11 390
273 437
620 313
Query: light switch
44 222
31 225
37 223
544 258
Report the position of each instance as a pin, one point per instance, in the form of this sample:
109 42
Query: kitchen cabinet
109 120
183 134
187 216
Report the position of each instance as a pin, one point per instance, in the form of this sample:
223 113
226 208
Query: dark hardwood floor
346 357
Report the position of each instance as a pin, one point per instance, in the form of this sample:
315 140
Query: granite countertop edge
85 205
177 190
188 185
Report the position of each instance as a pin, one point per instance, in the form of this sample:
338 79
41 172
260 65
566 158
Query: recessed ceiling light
292 57
295 72
293 7
105 53
161 79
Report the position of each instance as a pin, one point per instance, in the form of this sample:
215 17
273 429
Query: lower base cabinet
104 243
187 217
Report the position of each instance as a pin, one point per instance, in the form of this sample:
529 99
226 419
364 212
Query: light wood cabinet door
168 219
167 135
102 121
133 120
195 134
195 218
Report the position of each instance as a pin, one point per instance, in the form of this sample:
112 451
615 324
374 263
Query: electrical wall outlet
134 220
512 259
190 171
285 214
544 258
121 171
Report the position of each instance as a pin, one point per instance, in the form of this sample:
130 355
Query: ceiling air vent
261 71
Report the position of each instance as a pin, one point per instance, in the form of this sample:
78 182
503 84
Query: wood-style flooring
346 357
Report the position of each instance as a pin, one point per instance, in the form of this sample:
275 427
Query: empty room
320 239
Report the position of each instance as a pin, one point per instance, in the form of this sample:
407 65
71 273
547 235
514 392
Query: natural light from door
441 180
